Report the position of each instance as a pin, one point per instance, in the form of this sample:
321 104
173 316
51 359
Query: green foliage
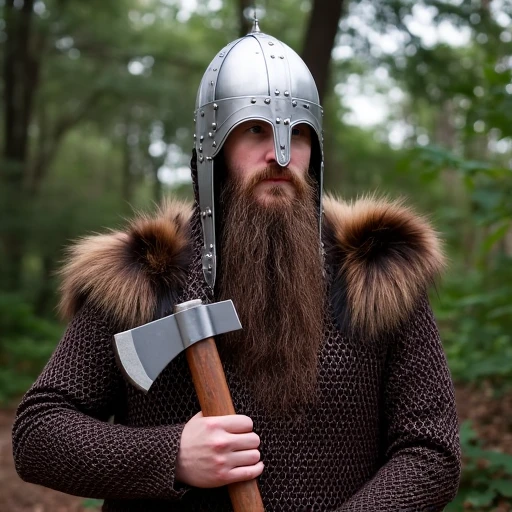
26 343
486 478
474 310
92 504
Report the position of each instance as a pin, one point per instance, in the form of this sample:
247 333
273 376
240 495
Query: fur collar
383 254
130 274
386 257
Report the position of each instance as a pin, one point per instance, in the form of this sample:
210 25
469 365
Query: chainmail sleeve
422 468
62 438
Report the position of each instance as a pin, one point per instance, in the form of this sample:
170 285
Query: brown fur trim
126 273
386 255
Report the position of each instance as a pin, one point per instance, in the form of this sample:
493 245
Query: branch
48 150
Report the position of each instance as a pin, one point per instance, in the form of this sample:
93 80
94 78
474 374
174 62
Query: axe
145 351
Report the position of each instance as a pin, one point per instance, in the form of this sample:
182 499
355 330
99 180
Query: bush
486 476
26 343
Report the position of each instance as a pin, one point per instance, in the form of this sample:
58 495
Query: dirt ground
492 418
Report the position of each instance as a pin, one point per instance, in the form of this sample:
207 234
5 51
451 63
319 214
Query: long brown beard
271 267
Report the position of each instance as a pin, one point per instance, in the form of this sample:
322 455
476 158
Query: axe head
142 353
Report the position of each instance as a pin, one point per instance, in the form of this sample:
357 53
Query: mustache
276 172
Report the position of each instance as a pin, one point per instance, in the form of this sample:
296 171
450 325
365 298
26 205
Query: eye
257 128
297 132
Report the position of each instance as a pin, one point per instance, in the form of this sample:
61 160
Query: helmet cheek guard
256 77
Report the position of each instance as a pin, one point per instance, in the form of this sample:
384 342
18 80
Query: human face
250 154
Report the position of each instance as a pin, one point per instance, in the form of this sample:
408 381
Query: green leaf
495 236
503 487
481 499
467 433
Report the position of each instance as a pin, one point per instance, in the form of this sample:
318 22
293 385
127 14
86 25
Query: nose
270 150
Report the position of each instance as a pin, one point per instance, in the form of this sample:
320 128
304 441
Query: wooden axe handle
215 400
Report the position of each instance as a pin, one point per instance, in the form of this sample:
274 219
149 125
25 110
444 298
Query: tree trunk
244 24
320 40
21 77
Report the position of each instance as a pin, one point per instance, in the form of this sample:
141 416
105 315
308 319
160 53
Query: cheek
302 158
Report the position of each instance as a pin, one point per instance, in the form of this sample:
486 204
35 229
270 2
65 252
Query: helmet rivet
270 43
200 148
267 100
272 56
195 136
276 92
202 113
209 158
221 55
283 146
281 56
306 106
209 268
286 122
209 213
214 126
210 134
214 69
201 158
278 120
203 214
287 93
322 111
294 103
253 100
211 82
214 144
215 106
201 138
211 247
194 119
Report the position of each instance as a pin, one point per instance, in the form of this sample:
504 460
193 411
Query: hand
218 450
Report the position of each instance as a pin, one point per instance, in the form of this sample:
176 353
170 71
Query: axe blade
143 352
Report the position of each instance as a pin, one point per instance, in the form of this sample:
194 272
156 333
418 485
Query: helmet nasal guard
256 77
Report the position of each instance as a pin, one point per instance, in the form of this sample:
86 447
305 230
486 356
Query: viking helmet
256 77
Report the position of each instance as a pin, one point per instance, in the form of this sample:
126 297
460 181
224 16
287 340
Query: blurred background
97 120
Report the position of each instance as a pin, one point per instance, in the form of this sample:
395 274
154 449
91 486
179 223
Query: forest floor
491 417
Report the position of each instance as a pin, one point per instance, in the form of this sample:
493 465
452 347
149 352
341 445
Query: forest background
97 108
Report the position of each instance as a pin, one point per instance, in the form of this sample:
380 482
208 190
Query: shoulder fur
387 255
128 274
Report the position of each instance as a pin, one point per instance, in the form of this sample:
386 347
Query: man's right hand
218 450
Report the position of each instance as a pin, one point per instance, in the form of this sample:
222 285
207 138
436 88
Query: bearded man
344 399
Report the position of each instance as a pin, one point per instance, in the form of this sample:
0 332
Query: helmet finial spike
255 26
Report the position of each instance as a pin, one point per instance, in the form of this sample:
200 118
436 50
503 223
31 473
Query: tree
320 39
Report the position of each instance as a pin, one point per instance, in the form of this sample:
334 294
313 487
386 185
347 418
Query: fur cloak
384 254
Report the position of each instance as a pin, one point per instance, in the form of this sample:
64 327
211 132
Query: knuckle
219 462
219 444
222 475
211 424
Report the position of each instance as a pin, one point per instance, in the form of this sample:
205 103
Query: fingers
241 474
235 423
238 442
244 458
218 450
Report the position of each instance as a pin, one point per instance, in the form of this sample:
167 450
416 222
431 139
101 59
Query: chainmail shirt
383 436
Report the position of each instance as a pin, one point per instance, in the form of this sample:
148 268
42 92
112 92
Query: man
344 398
